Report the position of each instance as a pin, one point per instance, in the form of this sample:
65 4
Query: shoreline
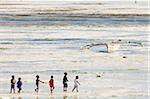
74 15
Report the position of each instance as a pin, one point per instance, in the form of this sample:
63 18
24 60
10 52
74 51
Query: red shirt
51 83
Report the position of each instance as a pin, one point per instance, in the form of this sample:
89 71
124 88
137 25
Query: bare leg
19 90
77 88
73 88
14 90
11 90
51 90
37 89
65 89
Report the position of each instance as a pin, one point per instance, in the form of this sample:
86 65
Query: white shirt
76 82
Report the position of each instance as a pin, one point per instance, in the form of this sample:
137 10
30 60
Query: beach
104 42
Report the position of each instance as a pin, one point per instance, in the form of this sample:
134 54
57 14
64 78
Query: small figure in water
13 82
65 80
76 83
51 84
19 84
37 83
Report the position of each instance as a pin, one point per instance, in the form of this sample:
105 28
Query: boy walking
37 83
51 84
65 80
19 84
13 82
76 83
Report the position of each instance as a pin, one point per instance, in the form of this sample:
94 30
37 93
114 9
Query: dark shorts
65 85
19 88
12 86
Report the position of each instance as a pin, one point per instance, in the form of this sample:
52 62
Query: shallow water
46 44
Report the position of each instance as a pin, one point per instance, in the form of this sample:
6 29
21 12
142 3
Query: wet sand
52 37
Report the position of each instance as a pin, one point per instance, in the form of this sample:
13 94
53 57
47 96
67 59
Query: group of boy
51 83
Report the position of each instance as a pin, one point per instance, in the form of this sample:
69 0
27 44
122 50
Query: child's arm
78 82
53 84
41 81
67 79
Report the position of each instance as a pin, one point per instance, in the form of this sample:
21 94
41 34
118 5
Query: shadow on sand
75 96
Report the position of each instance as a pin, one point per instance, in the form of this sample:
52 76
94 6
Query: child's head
37 76
65 73
51 77
13 76
19 78
77 77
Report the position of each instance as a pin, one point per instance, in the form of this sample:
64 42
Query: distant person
37 83
19 85
51 84
65 80
13 82
76 83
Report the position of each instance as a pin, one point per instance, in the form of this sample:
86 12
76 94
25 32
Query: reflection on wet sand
75 97
19 97
37 98
16 97
51 96
65 97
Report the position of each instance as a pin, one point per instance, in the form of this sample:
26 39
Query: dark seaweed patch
6 43
47 39
3 48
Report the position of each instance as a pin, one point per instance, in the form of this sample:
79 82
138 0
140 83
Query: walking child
13 82
65 80
51 84
19 84
76 83
37 83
